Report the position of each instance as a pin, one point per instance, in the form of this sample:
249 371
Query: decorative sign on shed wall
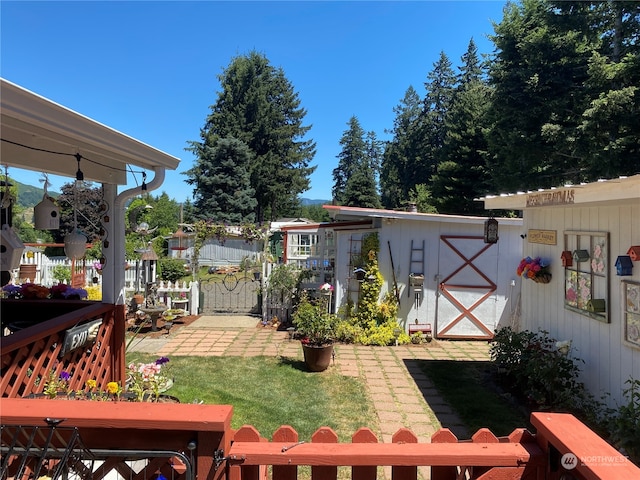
545 237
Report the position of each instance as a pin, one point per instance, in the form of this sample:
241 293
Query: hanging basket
542 278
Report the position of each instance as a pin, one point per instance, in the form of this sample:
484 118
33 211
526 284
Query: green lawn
267 392
468 388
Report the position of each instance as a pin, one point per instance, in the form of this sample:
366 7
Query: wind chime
75 242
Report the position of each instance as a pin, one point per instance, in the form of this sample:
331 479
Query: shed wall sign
559 197
79 336
546 237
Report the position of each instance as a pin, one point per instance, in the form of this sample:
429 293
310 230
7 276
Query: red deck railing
28 356
562 445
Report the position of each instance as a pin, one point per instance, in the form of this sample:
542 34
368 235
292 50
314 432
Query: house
438 266
586 301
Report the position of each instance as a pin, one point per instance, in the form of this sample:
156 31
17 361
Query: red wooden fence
561 446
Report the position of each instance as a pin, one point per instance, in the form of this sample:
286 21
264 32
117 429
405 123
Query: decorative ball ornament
75 245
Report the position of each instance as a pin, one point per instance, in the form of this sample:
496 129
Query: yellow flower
91 383
113 387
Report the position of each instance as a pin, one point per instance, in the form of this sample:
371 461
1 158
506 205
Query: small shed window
586 286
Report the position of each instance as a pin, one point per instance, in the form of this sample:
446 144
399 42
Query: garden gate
233 293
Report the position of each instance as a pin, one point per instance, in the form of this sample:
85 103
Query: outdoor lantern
491 230
567 258
11 248
580 255
634 253
624 265
46 214
75 244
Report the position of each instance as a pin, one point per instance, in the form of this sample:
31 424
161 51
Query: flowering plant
314 325
533 268
32 290
147 380
326 288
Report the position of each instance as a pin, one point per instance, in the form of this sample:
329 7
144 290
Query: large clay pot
317 358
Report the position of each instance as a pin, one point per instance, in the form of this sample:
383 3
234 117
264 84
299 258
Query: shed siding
609 361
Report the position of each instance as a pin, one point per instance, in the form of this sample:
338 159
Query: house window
301 245
586 284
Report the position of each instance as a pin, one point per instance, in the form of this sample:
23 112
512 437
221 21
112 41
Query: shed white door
468 269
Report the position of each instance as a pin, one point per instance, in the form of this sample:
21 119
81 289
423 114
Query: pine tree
223 191
355 176
396 178
259 107
462 177
440 87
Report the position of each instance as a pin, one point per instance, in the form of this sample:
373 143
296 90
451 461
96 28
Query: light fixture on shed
491 230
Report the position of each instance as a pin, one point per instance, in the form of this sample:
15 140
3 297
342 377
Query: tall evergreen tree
355 176
223 191
462 176
259 107
439 87
563 109
396 175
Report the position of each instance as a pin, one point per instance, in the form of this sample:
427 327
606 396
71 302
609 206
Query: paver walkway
402 395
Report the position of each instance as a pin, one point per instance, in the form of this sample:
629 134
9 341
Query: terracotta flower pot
317 358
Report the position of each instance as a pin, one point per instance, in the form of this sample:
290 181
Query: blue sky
149 69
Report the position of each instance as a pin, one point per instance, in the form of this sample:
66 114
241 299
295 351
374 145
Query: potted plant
316 330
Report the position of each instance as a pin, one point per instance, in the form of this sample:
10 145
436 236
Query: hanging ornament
75 242
46 214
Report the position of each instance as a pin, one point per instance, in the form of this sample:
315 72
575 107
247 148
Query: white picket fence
168 292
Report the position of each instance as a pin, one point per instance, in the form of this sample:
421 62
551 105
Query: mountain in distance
28 195
309 201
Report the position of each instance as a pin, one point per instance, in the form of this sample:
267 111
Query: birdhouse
11 248
624 265
567 258
416 279
596 305
580 255
359 273
634 253
46 215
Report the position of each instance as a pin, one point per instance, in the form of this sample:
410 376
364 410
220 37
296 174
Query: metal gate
467 279
233 293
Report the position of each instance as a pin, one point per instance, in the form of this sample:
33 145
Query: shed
467 287
585 302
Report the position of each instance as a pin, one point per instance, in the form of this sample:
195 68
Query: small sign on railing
79 336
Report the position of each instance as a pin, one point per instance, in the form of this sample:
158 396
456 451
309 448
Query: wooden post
404 435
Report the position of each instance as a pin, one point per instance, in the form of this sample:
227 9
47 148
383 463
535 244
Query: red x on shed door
467 282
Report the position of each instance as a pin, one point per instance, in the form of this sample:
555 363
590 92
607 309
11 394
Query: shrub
171 270
541 373
625 424
61 273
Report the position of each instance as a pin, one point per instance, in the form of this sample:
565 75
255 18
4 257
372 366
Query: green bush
171 270
543 374
624 424
61 273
